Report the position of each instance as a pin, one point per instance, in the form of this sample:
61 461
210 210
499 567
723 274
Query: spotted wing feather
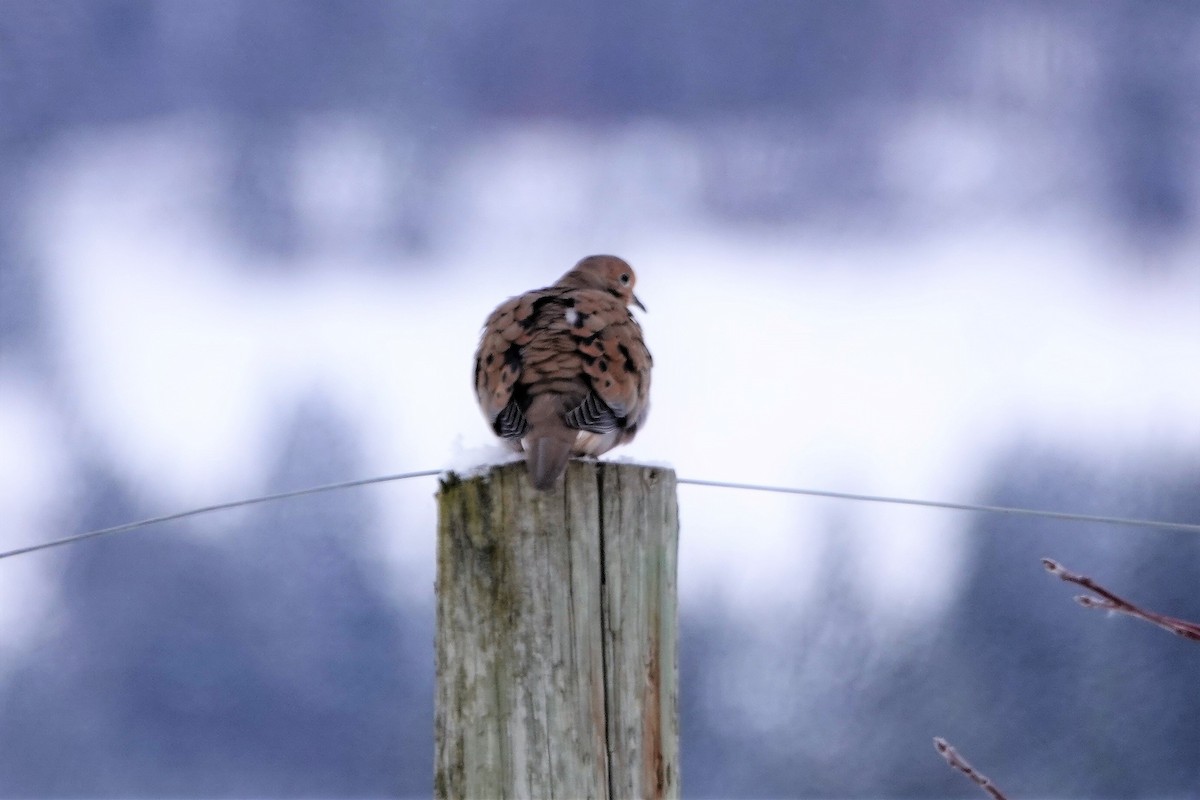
613 357
499 363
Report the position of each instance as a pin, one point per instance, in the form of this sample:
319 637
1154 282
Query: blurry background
931 249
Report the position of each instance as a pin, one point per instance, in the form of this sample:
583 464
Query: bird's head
607 273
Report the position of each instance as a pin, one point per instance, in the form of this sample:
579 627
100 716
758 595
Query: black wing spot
603 365
512 357
629 367
535 310
491 357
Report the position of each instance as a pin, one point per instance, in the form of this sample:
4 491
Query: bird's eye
625 278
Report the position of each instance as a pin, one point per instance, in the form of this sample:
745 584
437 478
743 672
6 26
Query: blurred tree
1052 699
1148 113
269 664
1076 704
812 92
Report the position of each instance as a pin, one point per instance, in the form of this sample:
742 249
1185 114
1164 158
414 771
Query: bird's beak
638 303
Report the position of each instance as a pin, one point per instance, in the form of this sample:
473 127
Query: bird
564 370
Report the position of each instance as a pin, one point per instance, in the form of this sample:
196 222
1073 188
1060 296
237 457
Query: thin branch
1108 601
959 763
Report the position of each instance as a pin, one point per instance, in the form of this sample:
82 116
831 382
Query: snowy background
929 249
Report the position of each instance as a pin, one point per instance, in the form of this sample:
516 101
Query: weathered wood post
556 635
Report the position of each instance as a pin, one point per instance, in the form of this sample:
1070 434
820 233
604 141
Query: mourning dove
563 370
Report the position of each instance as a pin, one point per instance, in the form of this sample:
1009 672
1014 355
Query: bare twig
959 763
1108 601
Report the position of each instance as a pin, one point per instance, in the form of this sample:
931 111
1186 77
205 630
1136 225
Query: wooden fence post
557 673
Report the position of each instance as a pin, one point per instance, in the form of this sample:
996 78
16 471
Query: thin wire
752 487
1029 512
128 526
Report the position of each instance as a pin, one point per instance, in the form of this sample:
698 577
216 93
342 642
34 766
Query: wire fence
1067 516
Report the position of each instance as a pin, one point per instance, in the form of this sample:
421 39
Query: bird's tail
548 443
546 459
